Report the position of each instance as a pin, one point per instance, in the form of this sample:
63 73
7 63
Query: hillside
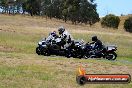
21 67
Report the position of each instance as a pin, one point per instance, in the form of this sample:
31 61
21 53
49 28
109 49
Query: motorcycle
75 50
107 52
54 45
50 46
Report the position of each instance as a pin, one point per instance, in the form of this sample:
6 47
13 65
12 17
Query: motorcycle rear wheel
111 56
86 56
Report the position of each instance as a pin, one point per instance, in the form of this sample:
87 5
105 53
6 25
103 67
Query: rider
65 37
97 43
97 46
52 36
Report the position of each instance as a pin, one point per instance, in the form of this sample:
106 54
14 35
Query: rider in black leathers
97 45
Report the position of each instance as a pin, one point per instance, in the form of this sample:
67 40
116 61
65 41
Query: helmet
61 30
94 38
53 33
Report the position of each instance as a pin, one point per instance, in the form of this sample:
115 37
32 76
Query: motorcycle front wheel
46 52
38 51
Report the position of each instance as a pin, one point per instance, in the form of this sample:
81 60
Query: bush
111 21
128 24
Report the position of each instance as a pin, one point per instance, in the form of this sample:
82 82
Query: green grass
30 70
21 67
19 42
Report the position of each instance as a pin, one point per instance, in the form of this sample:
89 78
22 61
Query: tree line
77 11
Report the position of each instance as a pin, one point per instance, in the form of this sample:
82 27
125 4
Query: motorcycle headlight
44 46
40 43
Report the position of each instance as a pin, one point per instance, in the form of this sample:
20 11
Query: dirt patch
7 30
6 48
120 69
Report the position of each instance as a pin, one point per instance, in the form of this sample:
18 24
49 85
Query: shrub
128 24
111 21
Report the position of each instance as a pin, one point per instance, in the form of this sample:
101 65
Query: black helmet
94 38
61 30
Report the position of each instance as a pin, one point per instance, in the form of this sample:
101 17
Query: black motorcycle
49 47
107 52
75 50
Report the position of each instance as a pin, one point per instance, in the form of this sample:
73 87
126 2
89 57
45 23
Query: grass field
20 67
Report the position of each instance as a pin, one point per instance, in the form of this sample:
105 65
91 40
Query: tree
46 8
128 24
111 21
88 12
32 7
3 5
76 11
19 4
8 6
11 6
81 11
